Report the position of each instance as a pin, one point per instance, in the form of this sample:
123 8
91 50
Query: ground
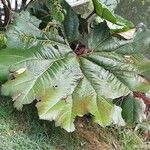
24 131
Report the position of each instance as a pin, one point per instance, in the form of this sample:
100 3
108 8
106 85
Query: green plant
69 71
130 140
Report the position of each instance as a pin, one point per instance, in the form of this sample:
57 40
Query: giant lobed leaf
66 85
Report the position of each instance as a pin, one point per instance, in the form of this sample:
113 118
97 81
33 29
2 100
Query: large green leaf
114 21
106 43
66 85
71 23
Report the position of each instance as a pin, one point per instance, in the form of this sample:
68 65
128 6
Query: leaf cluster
73 66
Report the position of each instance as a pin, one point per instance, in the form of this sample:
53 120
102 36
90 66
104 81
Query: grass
24 131
130 141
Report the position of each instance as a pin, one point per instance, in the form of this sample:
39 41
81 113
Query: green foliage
129 140
46 10
102 10
114 21
132 110
66 82
71 23
2 40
